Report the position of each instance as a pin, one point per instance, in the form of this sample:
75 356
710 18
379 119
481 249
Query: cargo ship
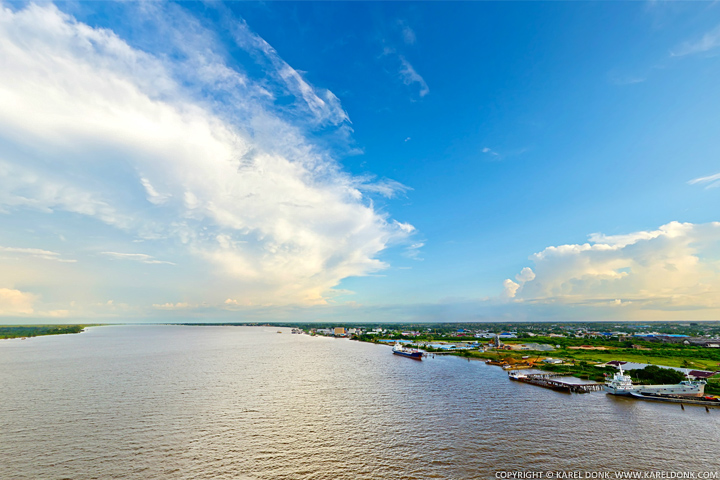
398 349
621 384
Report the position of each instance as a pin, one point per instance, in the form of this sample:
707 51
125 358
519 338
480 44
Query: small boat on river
399 349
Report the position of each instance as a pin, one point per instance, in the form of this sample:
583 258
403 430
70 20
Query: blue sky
358 161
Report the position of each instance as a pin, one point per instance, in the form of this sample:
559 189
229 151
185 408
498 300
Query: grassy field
642 357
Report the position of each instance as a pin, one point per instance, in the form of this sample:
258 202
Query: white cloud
510 289
323 104
413 251
408 34
676 267
525 275
174 306
489 151
385 187
229 177
36 253
15 302
407 72
712 181
410 76
152 195
709 41
137 257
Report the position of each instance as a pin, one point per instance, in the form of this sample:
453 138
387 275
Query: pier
549 380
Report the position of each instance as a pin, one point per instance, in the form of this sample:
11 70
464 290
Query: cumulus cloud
16 302
510 289
675 267
191 152
525 275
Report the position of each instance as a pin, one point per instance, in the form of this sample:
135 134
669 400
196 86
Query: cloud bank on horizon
92 127
673 268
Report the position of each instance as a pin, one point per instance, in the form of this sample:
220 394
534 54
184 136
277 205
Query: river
187 402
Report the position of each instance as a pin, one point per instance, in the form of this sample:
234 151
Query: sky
359 161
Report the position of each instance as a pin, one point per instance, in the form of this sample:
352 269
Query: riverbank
27 331
586 362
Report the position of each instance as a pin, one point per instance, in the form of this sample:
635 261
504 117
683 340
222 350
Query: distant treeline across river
37 330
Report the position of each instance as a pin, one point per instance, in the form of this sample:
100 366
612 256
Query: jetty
553 380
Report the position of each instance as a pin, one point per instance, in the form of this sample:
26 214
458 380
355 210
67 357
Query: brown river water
181 402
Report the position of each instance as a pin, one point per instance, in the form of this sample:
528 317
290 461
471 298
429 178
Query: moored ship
686 388
621 384
399 349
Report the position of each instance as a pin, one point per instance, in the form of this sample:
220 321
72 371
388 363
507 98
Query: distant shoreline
29 331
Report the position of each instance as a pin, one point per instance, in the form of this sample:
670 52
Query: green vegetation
687 359
652 374
713 386
583 370
37 330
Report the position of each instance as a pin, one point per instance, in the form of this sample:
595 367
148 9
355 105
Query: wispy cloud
136 257
392 49
617 79
709 41
413 251
36 253
712 181
324 106
410 77
408 34
491 152
386 187
174 306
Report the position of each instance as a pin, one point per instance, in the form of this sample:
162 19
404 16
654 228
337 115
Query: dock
550 380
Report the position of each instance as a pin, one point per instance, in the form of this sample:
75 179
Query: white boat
686 388
621 384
